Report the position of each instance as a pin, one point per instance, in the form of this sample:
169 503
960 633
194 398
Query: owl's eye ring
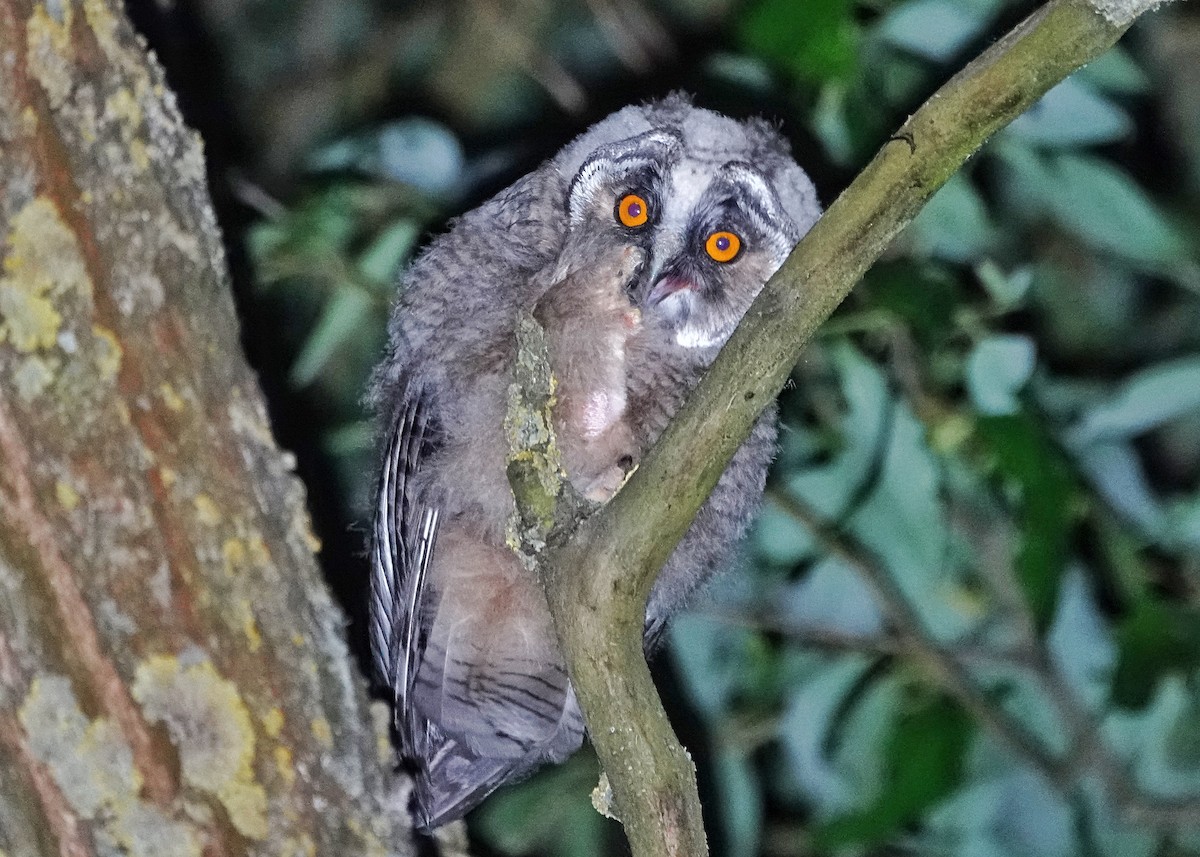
723 246
633 210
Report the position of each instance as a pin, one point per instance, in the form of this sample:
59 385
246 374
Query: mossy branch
597 583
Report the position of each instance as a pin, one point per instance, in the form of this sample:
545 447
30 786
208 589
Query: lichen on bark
157 574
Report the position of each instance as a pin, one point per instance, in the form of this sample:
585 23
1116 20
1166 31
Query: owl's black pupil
723 243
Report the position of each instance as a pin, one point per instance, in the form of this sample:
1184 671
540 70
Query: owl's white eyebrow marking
648 152
761 204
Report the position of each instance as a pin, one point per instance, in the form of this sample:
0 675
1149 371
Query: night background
968 620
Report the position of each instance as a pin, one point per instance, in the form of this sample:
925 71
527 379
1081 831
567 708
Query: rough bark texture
173 677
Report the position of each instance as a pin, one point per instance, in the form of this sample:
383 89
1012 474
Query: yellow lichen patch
298 639
234 551
121 105
49 53
273 722
249 419
211 728
304 526
139 155
298 846
104 26
260 556
67 496
33 375
170 398
371 846
27 319
108 353
250 629
168 476
965 601
207 511
381 719
322 731
41 263
283 764
93 767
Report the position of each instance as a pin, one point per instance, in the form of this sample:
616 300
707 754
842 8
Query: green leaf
924 764
934 29
1014 814
921 294
1070 115
1006 290
829 123
832 596
814 41
351 439
1154 640
713 659
550 814
747 73
1080 640
343 315
1115 470
954 225
1112 834
804 730
831 487
903 524
1100 203
741 802
381 260
1145 400
1092 199
416 151
997 370
1114 71
1027 459
1163 742
779 539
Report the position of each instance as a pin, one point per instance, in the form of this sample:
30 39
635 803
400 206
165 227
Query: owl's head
715 205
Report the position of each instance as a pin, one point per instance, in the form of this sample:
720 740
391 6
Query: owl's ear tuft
798 195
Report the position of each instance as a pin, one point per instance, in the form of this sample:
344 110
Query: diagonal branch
597 584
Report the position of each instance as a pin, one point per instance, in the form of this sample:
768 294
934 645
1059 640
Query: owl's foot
603 487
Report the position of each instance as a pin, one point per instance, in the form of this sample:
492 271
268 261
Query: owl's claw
603 487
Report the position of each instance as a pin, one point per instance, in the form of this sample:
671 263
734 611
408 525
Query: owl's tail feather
454 782
452 778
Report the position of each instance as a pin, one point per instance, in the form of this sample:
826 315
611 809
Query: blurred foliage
968 620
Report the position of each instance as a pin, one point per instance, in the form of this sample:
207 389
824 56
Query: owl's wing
402 546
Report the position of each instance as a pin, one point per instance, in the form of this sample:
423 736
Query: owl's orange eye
723 246
632 210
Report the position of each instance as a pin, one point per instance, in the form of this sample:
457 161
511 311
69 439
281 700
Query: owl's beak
667 285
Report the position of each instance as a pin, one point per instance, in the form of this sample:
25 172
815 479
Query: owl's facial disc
721 235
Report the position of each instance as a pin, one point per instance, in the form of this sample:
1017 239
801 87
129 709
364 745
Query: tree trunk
173 676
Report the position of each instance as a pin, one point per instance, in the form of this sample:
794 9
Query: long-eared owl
638 246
